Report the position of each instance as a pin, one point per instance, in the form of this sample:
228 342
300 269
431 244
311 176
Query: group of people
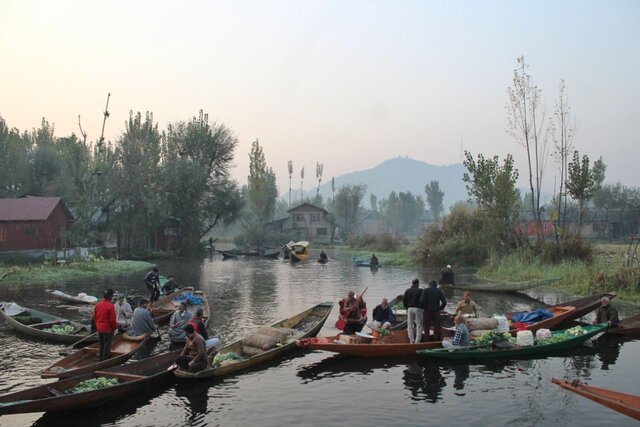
152 282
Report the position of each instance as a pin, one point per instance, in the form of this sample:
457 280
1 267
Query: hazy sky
345 83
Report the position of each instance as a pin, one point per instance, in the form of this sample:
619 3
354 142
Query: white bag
542 334
503 324
524 338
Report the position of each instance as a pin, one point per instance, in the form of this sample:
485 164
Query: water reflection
196 394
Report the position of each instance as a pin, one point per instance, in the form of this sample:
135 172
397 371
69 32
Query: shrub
571 248
385 242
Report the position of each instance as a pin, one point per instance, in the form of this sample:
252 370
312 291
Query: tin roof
29 208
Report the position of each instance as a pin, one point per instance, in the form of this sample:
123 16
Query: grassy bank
46 273
606 274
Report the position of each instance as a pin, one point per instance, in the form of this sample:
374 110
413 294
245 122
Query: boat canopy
302 244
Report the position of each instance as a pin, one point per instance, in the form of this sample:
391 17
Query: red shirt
104 316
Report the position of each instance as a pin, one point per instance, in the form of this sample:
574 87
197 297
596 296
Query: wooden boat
70 298
624 403
358 262
322 260
47 320
306 324
567 311
299 251
394 344
270 253
134 379
229 255
86 359
167 305
193 308
628 326
473 352
502 286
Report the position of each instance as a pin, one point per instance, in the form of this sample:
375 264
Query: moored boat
270 253
488 352
298 251
359 262
41 325
303 325
133 379
394 344
628 326
229 255
80 299
502 286
87 359
627 404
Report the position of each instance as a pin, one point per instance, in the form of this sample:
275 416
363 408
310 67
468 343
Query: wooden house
306 222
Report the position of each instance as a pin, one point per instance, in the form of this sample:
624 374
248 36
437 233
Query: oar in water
67 350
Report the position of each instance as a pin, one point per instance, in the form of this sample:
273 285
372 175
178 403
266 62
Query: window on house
3 235
170 231
30 231
298 218
321 231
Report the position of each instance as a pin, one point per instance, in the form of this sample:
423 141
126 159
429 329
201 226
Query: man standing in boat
171 286
415 313
152 282
447 276
373 262
433 302
354 313
104 317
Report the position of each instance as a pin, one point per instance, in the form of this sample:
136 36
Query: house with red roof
33 223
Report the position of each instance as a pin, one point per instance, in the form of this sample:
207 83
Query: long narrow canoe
167 305
502 286
70 298
493 353
193 308
87 360
46 321
271 253
133 379
306 324
624 403
628 326
395 344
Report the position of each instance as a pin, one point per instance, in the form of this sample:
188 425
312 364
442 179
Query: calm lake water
320 388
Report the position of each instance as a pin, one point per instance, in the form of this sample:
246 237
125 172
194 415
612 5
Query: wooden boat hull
482 354
69 298
49 320
629 326
271 254
86 360
502 287
624 403
395 344
322 260
229 255
320 312
136 378
296 257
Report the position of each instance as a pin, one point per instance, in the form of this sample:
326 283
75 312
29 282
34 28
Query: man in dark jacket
433 301
447 277
415 313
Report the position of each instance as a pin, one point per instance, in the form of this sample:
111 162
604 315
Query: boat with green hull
489 352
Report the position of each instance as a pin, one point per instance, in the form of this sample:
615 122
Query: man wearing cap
415 313
606 313
104 317
466 306
178 322
447 276
124 312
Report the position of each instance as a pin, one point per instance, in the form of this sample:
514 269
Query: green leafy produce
575 331
27 320
398 306
383 332
219 358
552 339
490 338
61 329
93 384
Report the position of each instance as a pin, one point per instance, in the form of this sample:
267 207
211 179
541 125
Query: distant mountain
403 174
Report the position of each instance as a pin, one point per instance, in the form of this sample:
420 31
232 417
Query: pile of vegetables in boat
61 329
220 358
93 384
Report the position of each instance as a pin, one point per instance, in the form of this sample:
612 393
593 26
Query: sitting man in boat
606 313
467 306
124 313
194 355
178 322
373 262
152 282
461 337
171 286
382 316
447 276
323 256
198 324
354 313
142 322
104 317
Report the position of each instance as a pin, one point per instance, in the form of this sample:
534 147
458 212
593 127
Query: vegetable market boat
394 344
628 326
626 404
559 340
132 379
303 325
39 324
80 299
502 286
87 360
299 251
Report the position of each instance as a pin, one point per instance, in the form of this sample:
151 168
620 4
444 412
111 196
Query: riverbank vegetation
54 272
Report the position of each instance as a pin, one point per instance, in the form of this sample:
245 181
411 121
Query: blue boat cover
536 315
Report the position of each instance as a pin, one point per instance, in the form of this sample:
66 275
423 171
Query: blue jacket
382 314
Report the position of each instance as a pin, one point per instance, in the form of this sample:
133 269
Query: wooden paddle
340 323
67 350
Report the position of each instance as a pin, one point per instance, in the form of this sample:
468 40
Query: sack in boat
543 333
251 351
128 337
479 332
280 333
487 323
503 324
524 338
265 342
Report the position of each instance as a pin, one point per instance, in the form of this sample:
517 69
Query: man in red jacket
104 317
